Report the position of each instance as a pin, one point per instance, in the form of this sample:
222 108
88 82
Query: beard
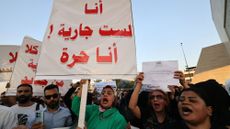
23 98
53 104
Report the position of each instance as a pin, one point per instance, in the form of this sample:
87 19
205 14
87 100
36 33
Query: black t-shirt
149 120
181 125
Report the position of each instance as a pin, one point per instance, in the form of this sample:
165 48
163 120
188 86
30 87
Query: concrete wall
214 61
213 57
219 12
220 74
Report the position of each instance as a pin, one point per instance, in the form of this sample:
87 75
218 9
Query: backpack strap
37 106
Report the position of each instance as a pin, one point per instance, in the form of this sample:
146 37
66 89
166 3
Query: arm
181 77
67 97
76 103
134 98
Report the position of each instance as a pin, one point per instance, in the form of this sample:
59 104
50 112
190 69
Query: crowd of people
204 105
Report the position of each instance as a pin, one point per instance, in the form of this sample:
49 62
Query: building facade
214 61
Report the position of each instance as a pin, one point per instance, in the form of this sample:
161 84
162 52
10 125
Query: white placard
25 69
159 74
8 56
90 39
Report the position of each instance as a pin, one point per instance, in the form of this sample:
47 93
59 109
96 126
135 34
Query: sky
160 26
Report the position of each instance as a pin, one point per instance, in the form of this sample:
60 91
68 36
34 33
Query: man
8 119
54 115
7 100
25 108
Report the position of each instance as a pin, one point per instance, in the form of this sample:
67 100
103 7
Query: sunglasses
158 97
54 96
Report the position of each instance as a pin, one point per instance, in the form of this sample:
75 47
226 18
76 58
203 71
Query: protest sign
25 69
8 54
88 39
159 74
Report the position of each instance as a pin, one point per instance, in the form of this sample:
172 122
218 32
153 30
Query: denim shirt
60 118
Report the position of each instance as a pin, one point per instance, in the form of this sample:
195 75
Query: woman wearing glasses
157 116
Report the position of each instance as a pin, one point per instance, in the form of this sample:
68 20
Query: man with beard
54 115
25 108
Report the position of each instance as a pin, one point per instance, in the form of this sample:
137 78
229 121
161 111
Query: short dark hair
51 86
27 85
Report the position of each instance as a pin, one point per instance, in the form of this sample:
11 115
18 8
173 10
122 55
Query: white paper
159 74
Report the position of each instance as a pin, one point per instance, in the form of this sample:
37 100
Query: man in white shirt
8 119
25 108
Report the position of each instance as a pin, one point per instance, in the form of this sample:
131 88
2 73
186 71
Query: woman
157 117
103 116
199 107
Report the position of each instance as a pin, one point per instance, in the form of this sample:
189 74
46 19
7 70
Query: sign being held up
8 57
89 39
25 69
159 74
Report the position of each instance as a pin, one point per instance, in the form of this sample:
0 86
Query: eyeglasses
158 97
107 92
49 96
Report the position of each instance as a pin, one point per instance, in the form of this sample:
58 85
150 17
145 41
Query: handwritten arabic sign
8 56
89 39
159 74
25 68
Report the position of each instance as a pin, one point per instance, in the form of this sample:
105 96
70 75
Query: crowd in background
204 105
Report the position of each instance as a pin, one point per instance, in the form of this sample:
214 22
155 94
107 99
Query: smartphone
39 116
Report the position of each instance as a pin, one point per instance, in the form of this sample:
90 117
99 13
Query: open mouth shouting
105 103
105 100
185 111
157 106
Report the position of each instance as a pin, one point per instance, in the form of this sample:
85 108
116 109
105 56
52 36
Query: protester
25 108
155 113
103 116
7 100
204 105
123 107
8 119
70 94
54 115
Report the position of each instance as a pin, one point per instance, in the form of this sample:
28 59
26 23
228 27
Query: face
107 98
52 98
24 94
158 101
192 108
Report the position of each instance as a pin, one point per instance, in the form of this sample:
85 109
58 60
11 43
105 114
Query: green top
109 119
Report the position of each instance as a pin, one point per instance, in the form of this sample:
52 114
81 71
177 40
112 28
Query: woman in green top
103 116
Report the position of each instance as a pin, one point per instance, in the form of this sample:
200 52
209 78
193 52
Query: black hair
51 86
26 85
